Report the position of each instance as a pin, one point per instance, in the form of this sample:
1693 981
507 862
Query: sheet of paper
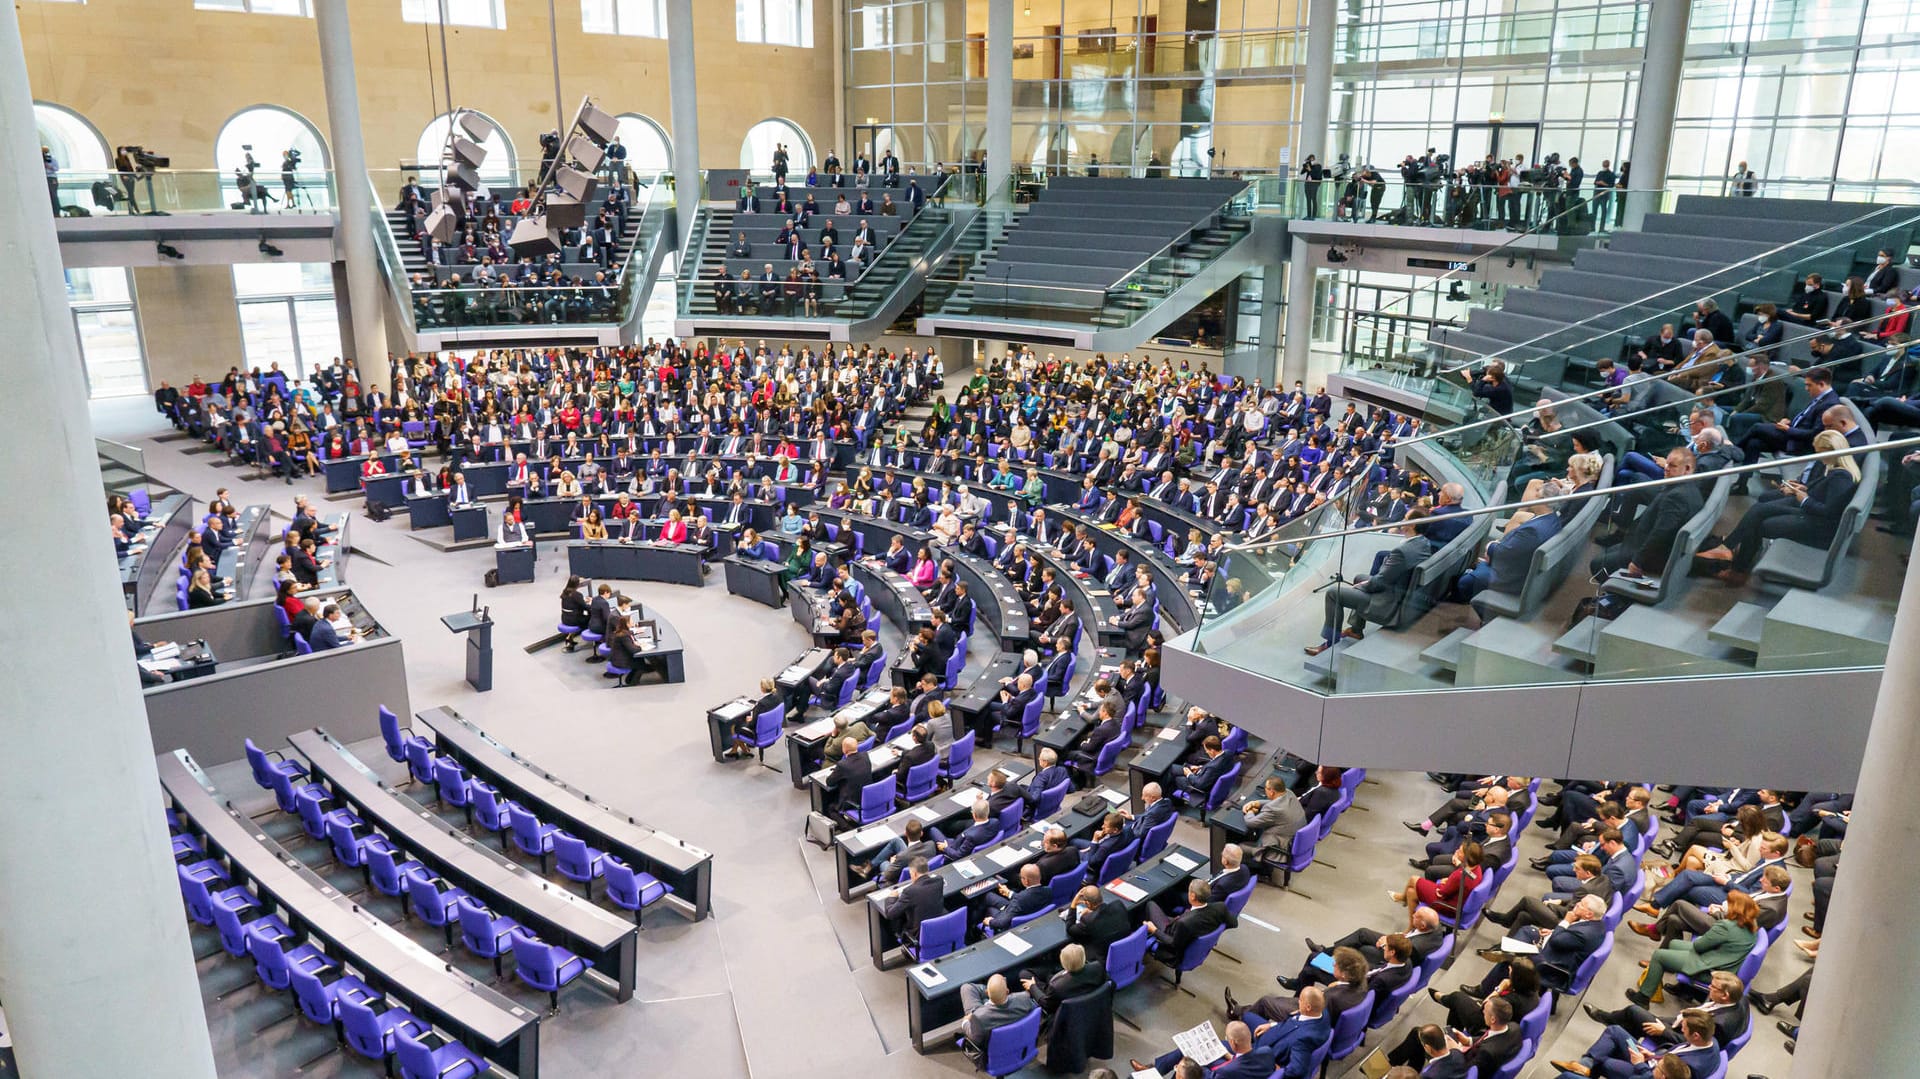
1180 861
1112 795
1144 1073
874 836
967 870
1127 891
926 813
929 976
1168 734
1518 947
1013 943
1006 855
1200 1045
964 799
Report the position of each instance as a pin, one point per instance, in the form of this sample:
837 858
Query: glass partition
189 191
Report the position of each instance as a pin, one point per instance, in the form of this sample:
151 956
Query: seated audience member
1244 1059
1618 1053
1806 511
990 1008
1562 948
1722 947
1379 594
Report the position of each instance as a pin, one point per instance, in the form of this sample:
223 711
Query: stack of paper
1127 891
1006 855
1015 945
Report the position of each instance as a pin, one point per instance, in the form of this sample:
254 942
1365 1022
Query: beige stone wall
188 322
160 73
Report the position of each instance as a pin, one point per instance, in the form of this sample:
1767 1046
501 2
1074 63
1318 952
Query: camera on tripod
289 160
145 160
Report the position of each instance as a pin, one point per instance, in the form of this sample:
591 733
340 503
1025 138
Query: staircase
1194 254
953 280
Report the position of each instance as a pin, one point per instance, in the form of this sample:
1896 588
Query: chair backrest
1066 883
1305 840
1109 756
486 803
535 961
262 769
1385 1008
1014 1046
426 900
420 760
1590 966
1156 838
1010 818
1435 960
362 1028
476 927
570 855
269 962
389 730
942 935
920 779
526 827
1232 745
1198 949
960 755
1533 1025
300 646
1351 1026
285 624
1119 862
1050 799
1030 716
451 781
1236 900
1518 1061
314 1000
1127 957
1222 787
767 724
876 799
383 866
346 846
233 936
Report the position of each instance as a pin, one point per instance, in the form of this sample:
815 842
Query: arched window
756 150
649 150
77 146
497 171
272 131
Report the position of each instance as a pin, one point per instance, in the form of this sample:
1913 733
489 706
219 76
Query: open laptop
1374 1065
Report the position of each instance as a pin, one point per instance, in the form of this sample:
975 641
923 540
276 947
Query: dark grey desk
755 578
514 563
424 983
1158 763
686 869
893 596
674 563
469 522
946 813
428 511
807 745
983 869
1089 597
967 706
548 910
933 1006
792 681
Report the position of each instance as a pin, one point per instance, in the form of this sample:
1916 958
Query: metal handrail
1684 285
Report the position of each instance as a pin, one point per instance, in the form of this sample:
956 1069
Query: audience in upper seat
1805 510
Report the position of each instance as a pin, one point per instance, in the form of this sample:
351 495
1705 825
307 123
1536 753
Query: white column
364 292
1654 106
1298 339
689 191
999 140
1316 92
1863 1012
95 965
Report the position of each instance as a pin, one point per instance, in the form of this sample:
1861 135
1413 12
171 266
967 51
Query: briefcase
820 830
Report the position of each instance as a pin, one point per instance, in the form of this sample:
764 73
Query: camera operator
289 164
549 149
126 169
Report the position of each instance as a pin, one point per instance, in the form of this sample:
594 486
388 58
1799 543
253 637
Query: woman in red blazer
675 530
1447 894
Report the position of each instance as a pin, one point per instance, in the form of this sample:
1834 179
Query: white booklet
1113 796
929 976
1127 890
1015 945
1518 947
1180 861
1200 1045
967 869
874 836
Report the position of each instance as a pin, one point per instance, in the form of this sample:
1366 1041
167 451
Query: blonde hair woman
1806 512
1583 473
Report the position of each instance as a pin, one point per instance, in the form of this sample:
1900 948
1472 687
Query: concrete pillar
689 190
1863 1011
840 128
1298 339
368 347
1654 107
999 140
95 964
1316 92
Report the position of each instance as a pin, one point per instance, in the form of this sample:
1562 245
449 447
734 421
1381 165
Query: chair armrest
457 1063
561 971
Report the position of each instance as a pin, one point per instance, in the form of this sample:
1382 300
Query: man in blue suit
1562 948
1795 435
1198 779
1617 864
1050 774
979 834
1004 904
1154 811
1294 1041
1503 567
1617 1053
1244 1060
1704 889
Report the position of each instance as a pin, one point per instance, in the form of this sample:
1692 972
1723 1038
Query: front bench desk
755 578
686 869
949 812
425 984
651 560
550 912
933 989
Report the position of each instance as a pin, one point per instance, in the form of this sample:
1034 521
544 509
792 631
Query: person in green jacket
1723 947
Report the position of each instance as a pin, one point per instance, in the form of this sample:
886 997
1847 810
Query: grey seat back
1553 561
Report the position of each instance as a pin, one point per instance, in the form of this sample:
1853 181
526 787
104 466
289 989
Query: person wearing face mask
1766 333
1885 279
1810 306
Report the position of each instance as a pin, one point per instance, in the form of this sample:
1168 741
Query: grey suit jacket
1276 820
988 1015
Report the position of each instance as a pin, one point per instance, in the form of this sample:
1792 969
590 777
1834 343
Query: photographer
126 168
289 163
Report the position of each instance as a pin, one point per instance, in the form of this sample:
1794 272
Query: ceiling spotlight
269 250
167 250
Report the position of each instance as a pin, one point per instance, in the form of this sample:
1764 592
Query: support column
1298 340
95 963
689 191
999 140
1654 107
1863 1012
1316 92
351 187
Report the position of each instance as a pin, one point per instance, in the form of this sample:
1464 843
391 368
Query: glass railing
185 191
1551 580
393 268
580 293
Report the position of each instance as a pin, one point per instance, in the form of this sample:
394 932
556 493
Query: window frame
619 30
246 8
750 23
497 11
76 309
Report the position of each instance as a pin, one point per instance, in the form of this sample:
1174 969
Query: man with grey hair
1562 948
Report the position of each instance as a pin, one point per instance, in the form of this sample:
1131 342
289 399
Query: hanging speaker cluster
568 189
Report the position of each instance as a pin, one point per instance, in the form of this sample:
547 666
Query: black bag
377 510
491 579
1605 607
1092 805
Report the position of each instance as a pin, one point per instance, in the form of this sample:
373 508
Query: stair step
1741 627
1445 652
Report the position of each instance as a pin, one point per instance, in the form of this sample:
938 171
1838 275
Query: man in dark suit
1006 709
1057 855
1726 1004
1791 436
849 778
1108 839
1154 811
1617 1052
1617 864
1082 760
920 752
826 691
1562 948
1378 594
1095 923
1546 913
323 637
922 897
1232 875
1647 544
1003 904
1245 1060
1495 1045
1050 774
1295 1040
1203 916
1345 988
1197 780
1078 974
978 834
1423 941
1503 567
1000 795
1444 1059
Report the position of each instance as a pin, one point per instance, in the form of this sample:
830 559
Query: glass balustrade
192 191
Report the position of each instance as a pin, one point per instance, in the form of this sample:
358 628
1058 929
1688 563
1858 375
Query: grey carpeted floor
777 982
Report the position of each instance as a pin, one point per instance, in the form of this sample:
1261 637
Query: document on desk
1180 861
967 869
928 976
964 799
874 836
1015 944
1168 733
1113 796
1006 855
1200 1045
927 814
1127 890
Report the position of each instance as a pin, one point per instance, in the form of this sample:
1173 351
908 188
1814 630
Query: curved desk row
686 869
552 913
488 475
428 986
170 522
995 598
1170 577
674 563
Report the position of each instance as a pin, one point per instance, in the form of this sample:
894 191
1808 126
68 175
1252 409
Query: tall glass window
774 22
101 299
258 7
498 169
287 315
648 149
756 150
264 134
491 14
634 18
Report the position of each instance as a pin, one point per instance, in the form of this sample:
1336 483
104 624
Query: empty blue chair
545 966
1196 952
350 848
1029 723
876 801
1350 1027
198 887
1306 839
397 738
955 664
484 934
1066 884
1551 975
319 999
186 848
578 862
939 936
420 760
386 872
452 784
268 764
921 780
631 889
1117 863
485 806
1155 840
1010 819
284 624
531 836
1057 687
311 803
433 900
233 931
1127 957
870 674
1050 799
766 730
274 965
959 758
373 1034
1022 919
1234 744
1011 1047
441 1060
